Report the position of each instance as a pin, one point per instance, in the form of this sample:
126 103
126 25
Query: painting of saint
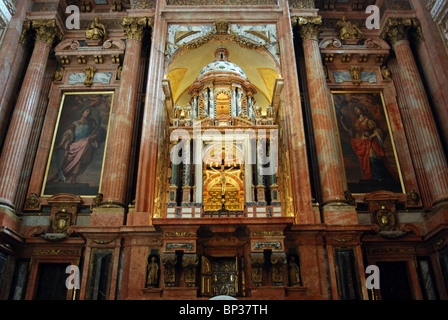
366 142
77 154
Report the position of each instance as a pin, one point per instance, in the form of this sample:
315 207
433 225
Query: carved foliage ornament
45 30
397 29
134 28
309 26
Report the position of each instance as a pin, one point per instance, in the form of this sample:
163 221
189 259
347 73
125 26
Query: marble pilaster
332 179
117 164
430 145
15 146
12 60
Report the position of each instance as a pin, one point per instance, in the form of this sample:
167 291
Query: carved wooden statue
152 279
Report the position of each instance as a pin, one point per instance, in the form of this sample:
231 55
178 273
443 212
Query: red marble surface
16 142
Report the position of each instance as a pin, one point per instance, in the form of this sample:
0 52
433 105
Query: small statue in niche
153 273
269 112
294 272
96 31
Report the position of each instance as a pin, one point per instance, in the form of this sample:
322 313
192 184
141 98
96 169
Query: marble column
329 157
186 184
12 60
15 146
195 107
260 177
152 117
429 145
206 102
117 164
301 199
234 102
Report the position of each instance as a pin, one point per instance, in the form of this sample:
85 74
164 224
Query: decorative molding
221 2
134 27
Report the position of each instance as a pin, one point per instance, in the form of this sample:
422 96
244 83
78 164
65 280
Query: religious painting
367 145
77 154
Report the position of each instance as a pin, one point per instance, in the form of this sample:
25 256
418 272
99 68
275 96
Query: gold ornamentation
355 73
179 234
222 26
349 198
97 200
348 30
102 241
152 268
397 29
267 234
119 70
385 219
220 2
59 74
48 252
386 73
413 197
134 27
32 202
143 4
309 26
96 30
25 35
61 222
90 73
46 31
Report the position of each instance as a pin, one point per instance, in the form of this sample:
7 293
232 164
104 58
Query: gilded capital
46 31
134 27
26 34
397 29
309 26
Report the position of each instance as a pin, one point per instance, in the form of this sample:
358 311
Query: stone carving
278 261
355 73
256 264
46 31
89 73
152 268
189 263
32 202
386 73
169 262
413 197
348 30
96 31
294 272
134 28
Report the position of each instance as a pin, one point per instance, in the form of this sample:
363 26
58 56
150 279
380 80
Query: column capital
309 26
397 29
134 27
47 30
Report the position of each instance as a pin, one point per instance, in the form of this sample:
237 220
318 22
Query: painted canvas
367 146
78 150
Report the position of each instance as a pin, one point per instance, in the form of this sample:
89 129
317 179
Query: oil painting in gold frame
366 142
77 152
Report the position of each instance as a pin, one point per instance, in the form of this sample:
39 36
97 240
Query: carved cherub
348 30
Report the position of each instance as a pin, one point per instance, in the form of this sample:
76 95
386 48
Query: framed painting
77 152
367 146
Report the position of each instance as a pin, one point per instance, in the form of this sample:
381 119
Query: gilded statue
294 272
348 30
96 30
90 73
153 273
386 73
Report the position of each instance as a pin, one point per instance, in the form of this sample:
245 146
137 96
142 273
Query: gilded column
332 179
116 168
14 149
430 146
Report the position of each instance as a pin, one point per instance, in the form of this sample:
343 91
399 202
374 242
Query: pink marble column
154 104
429 143
329 157
300 181
12 60
14 149
117 165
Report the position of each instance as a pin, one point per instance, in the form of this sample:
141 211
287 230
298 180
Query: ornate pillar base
107 217
340 214
260 194
172 190
186 194
275 195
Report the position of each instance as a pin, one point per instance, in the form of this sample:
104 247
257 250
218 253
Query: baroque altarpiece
259 149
